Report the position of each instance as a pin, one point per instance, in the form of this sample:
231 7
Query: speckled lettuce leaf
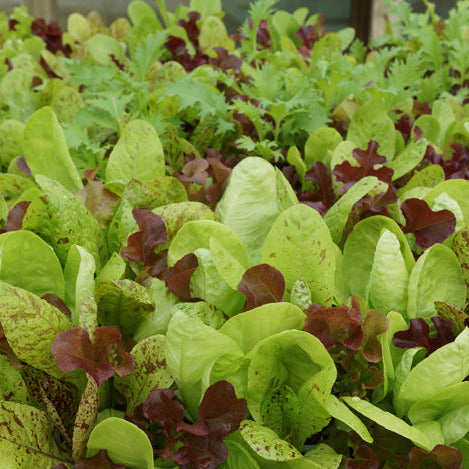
125 443
28 262
22 311
437 276
12 386
62 220
11 140
79 279
123 304
150 372
46 151
27 438
249 328
360 247
187 360
137 155
85 420
389 421
449 363
299 361
249 205
12 185
299 245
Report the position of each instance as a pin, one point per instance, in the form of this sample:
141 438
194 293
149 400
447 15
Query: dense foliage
246 251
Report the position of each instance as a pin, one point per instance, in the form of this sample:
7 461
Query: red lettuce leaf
441 456
418 334
459 319
365 458
58 303
319 174
262 284
141 245
338 324
458 166
51 34
375 323
178 277
367 160
16 215
429 227
101 358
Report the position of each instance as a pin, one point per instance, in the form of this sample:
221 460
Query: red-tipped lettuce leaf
365 458
441 456
178 277
101 358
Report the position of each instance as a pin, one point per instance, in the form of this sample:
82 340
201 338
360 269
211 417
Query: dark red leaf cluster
220 413
458 166
353 344
323 197
178 277
209 174
309 35
178 48
262 284
404 126
429 227
51 34
263 35
73 350
224 60
364 458
16 215
141 245
418 334
367 160
441 456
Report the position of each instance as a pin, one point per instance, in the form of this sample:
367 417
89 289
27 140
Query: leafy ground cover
238 252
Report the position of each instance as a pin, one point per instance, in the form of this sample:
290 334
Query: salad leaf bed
245 251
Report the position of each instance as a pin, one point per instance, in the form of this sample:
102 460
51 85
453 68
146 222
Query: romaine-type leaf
85 420
124 442
62 220
299 245
11 140
227 266
325 456
360 247
295 359
238 456
371 122
26 438
150 372
12 185
22 311
406 160
450 363
123 304
187 360
102 47
12 386
46 151
250 203
249 328
196 234
137 155
389 421
387 290
79 279
28 262
114 269
320 145
436 276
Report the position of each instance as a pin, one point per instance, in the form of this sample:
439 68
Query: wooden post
46 9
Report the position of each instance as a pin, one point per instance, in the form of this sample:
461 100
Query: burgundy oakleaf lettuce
429 227
220 413
365 458
101 358
418 334
324 194
338 324
367 160
141 245
375 324
260 285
